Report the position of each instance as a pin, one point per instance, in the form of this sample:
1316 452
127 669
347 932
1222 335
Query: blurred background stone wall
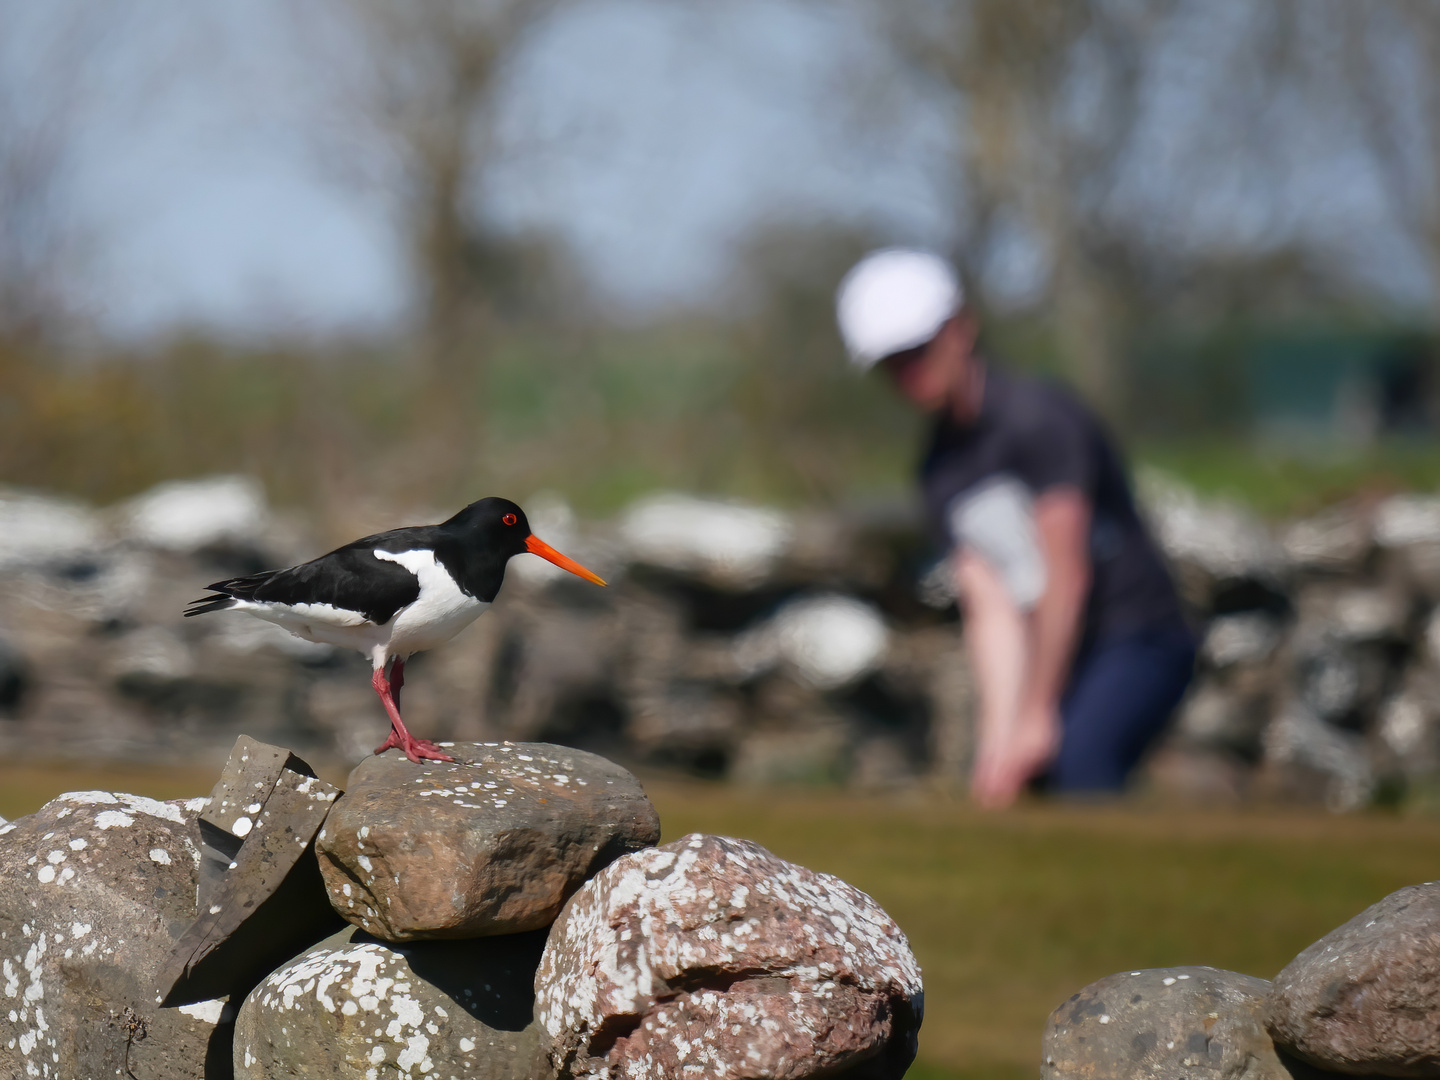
734 642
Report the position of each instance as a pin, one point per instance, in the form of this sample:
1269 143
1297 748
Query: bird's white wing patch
420 562
440 611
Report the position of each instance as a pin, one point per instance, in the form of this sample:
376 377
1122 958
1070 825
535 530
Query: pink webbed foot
388 689
416 750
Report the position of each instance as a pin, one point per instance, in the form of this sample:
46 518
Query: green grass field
1011 913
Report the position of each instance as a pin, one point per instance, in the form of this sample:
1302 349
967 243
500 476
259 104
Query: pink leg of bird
400 737
397 679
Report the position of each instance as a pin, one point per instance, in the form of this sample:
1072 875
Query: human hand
1008 759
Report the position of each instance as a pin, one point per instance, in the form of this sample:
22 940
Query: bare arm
1022 660
996 639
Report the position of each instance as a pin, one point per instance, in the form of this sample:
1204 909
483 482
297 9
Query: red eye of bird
509 519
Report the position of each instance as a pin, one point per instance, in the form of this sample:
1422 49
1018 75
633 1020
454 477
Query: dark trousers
1120 696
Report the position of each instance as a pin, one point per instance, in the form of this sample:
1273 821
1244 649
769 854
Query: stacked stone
508 916
1364 1000
735 641
1320 660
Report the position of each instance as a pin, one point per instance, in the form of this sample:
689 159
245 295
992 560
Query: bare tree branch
46 88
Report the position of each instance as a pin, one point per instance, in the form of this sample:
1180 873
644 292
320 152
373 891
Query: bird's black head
498 528
497 525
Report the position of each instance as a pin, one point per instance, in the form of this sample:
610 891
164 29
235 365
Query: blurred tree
412 94
1390 63
47 85
1030 154
817 428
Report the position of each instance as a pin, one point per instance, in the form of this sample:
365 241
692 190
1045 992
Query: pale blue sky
648 138
651 138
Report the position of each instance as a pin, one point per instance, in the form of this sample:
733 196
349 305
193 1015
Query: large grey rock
1247 637
711 957
1217 715
355 1007
828 640
1222 540
1335 540
1162 1023
727 542
1305 754
1407 529
187 515
1408 724
493 843
37 530
95 889
1403 520
1352 613
1365 998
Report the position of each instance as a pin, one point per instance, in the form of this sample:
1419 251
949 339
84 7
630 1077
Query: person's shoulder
1028 402
1022 389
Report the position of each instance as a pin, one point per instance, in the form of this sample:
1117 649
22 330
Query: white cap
894 299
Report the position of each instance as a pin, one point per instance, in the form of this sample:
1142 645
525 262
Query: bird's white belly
440 611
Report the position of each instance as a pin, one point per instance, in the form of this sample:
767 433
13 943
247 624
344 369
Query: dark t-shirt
980 481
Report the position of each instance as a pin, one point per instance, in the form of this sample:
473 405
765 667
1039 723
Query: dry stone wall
734 641
511 920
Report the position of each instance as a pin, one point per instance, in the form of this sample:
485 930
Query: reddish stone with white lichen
710 956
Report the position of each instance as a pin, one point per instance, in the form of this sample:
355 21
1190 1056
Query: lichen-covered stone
1365 998
1161 1023
95 889
711 957
493 843
355 1007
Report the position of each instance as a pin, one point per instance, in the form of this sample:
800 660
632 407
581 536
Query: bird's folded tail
240 588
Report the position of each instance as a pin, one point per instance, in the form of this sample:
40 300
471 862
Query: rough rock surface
261 900
711 957
494 843
356 1007
1166 1022
95 888
1365 998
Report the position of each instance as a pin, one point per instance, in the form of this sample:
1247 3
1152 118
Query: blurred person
1071 619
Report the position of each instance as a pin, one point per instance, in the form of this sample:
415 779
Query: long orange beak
536 546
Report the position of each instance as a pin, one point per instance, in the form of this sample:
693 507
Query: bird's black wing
350 577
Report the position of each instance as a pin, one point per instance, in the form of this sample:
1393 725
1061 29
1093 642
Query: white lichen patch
361 999
134 804
207 1012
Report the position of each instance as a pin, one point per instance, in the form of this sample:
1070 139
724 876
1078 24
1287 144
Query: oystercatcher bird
394 594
